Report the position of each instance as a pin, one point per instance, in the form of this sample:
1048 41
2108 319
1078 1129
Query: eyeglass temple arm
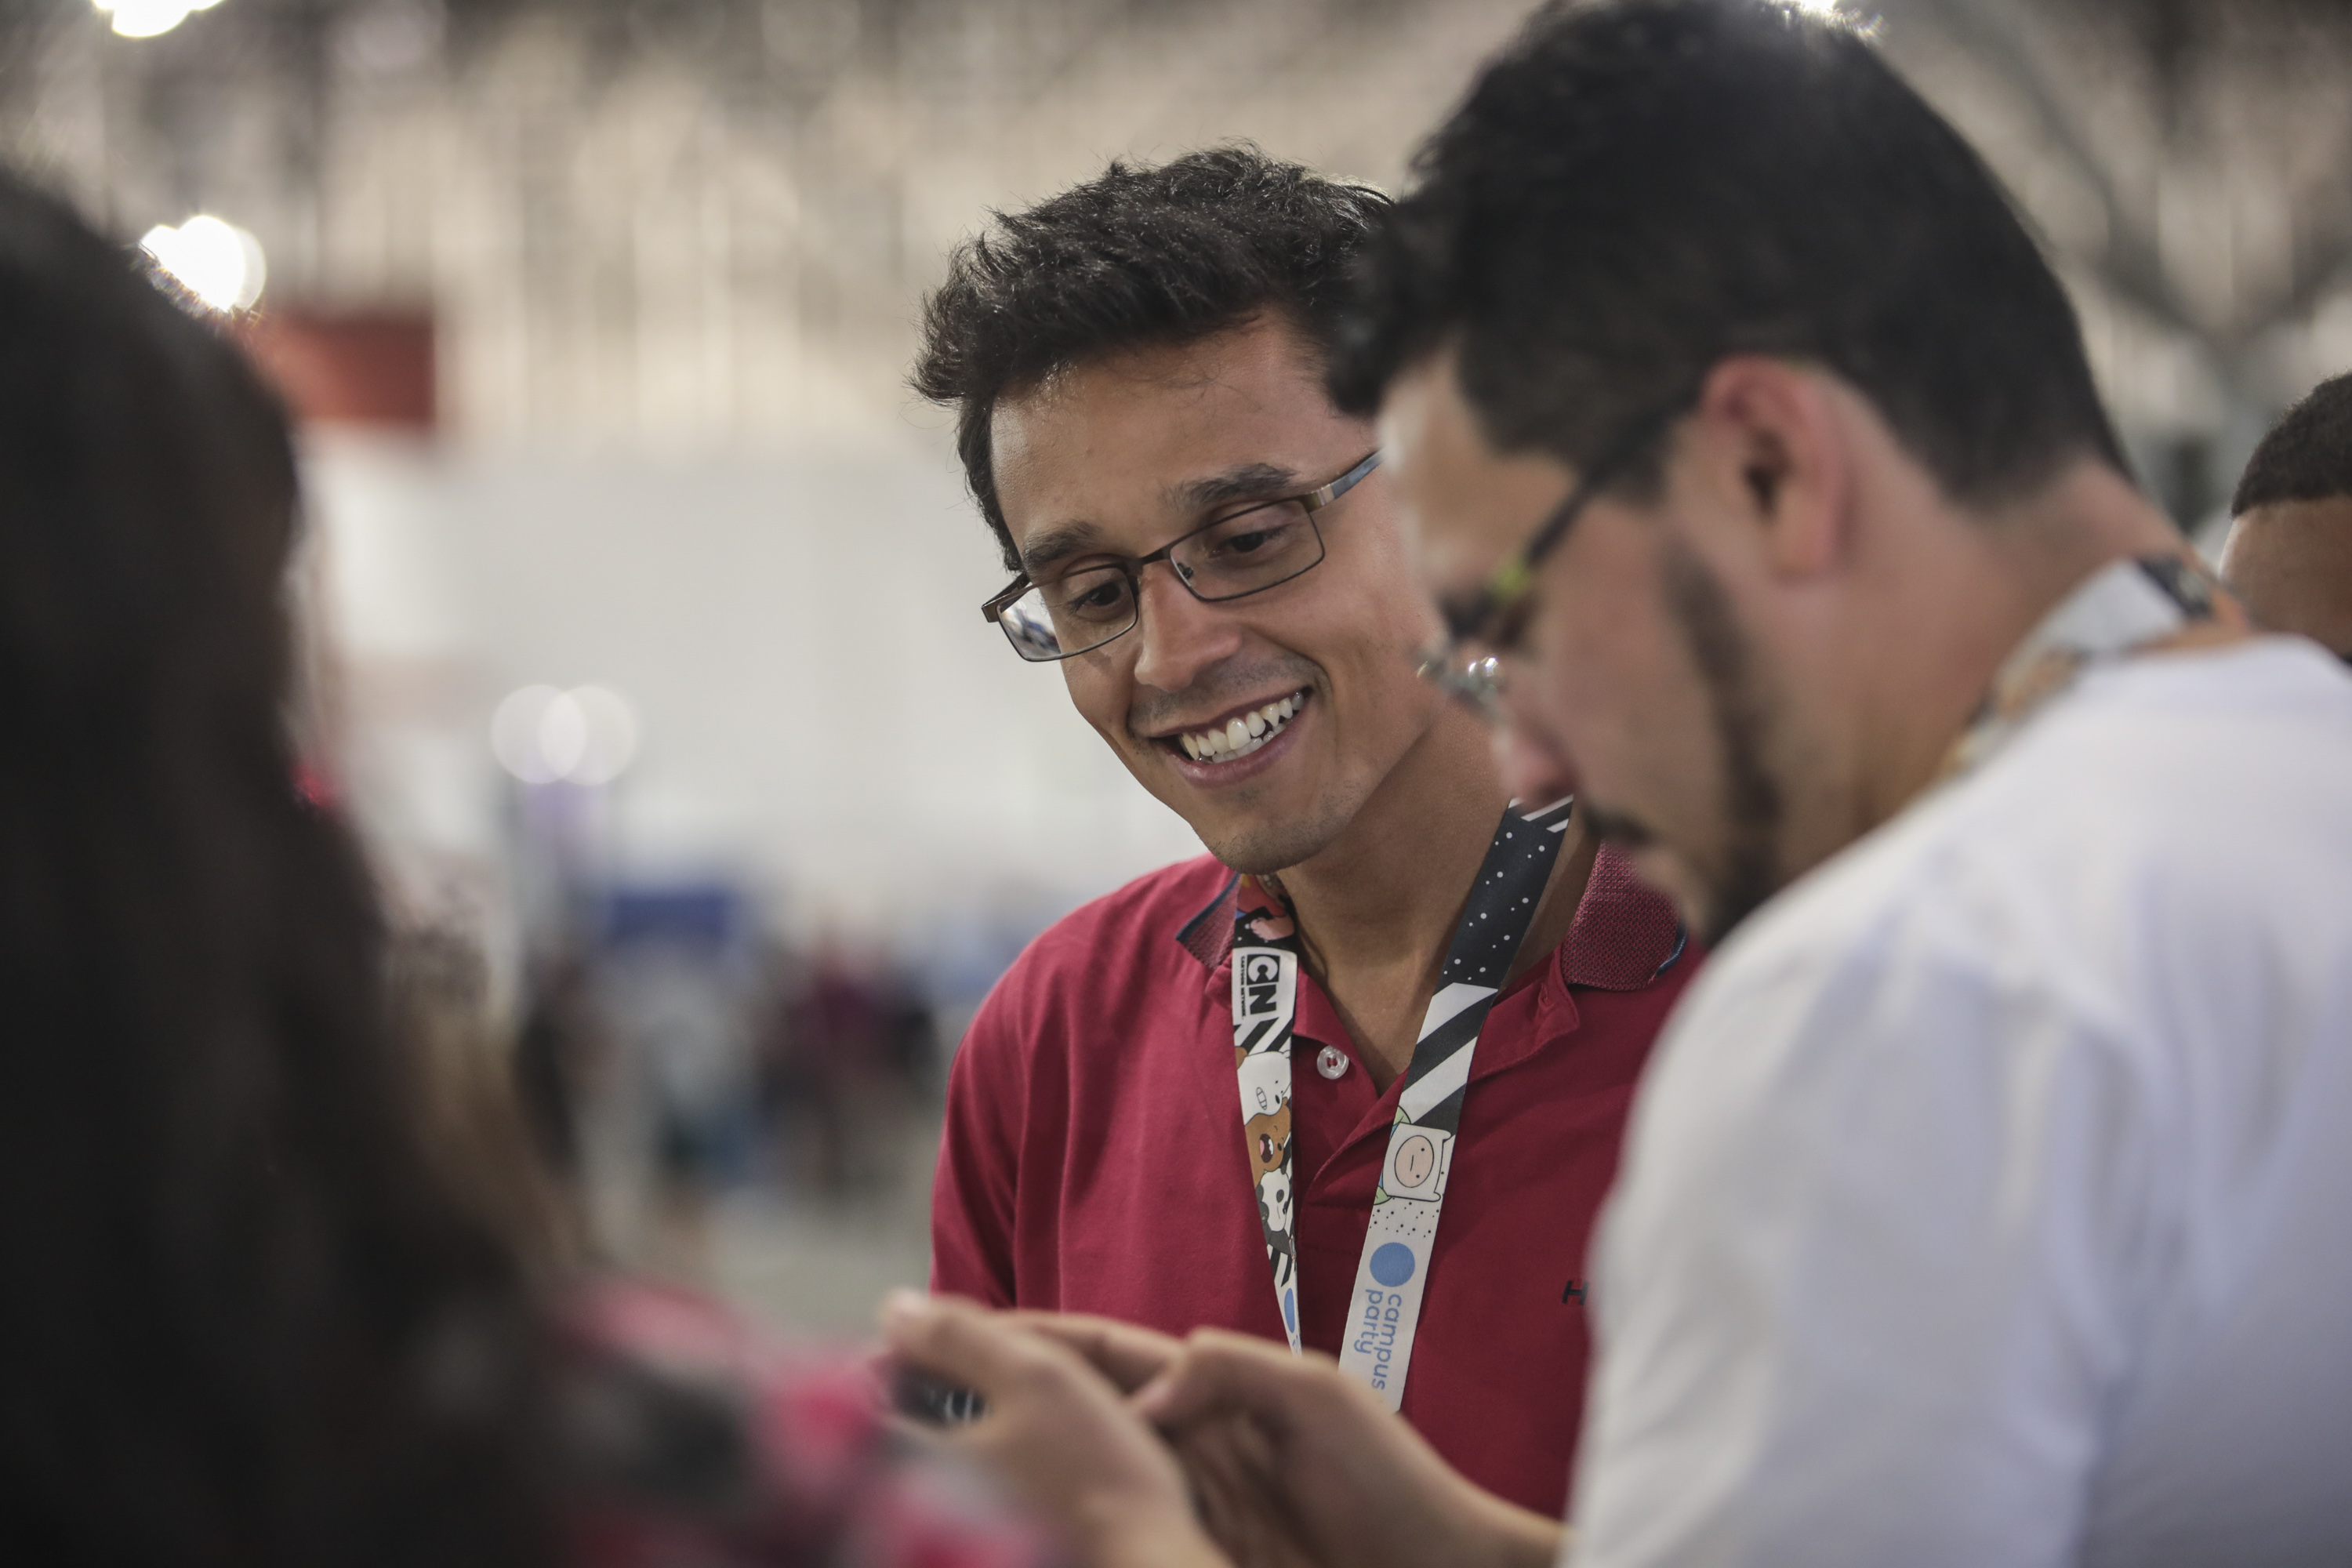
1517 572
1317 499
994 608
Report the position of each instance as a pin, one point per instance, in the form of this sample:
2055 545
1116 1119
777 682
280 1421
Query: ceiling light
218 262
149 18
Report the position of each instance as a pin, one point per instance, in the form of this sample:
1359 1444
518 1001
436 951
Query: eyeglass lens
1244 554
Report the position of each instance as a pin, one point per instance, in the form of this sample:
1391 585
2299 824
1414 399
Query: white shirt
1988 1201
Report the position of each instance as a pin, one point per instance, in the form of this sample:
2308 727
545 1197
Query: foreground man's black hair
2307 456
1632 192
1138 255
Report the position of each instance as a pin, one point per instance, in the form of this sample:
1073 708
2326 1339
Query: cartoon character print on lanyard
1385 1308
1266 996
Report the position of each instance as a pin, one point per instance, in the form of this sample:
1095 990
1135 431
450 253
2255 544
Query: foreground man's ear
1771 443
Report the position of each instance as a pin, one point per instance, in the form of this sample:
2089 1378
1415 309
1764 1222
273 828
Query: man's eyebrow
1043 549
1250 482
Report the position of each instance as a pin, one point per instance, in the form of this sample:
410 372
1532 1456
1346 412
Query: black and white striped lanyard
1385 1310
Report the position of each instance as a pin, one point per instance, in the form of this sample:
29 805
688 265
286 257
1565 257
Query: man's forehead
1259 369
1469 502
1153 437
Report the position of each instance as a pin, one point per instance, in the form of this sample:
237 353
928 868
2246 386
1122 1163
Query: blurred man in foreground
2289 554
1238 1091
1985 1201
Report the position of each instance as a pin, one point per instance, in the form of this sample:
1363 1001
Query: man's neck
1959 634
1378 908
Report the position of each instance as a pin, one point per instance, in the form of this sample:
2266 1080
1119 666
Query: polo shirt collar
1624 935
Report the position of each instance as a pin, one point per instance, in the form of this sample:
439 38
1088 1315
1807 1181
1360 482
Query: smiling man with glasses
1242 1091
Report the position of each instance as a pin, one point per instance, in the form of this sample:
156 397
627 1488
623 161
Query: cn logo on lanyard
1384 1311
1266 994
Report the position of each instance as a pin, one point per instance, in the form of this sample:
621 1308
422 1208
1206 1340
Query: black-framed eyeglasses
1262 546
1482 624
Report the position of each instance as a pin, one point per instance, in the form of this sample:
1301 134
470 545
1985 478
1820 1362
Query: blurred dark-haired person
1240 1091
1985 1202
2289 553
253 1315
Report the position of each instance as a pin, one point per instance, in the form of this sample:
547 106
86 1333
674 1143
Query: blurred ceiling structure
686 221
2189 162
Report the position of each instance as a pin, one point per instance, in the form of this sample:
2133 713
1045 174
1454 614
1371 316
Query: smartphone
919 1396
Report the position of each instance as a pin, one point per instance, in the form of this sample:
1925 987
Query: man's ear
1775 430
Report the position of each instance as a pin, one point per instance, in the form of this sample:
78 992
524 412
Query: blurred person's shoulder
689 1436
2128 859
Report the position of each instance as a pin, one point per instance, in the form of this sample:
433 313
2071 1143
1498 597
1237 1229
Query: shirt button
1331 1062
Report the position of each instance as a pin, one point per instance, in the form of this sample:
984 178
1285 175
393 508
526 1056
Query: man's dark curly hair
1135 255
1633 191
2307 456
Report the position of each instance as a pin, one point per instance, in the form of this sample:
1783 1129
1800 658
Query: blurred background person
556 1057
2289 553
849 1044
678 1005
593 316
267 1301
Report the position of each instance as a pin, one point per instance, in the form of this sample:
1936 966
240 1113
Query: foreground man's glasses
1481 627
1262 546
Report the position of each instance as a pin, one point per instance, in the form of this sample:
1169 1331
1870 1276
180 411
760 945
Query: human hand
1223 1461
1234 1494
1320 1470
1128 1354
1057 1433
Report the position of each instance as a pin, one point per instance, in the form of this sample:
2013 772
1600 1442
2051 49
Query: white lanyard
1384 1312
2126 608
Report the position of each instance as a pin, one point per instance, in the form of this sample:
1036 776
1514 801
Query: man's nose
1181 636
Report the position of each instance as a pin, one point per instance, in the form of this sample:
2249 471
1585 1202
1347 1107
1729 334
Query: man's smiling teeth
1239 737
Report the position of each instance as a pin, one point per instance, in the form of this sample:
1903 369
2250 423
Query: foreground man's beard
1746 872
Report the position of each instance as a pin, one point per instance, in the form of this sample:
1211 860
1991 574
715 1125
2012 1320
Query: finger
1129 1355
1241 1510
963 1344
1223 1373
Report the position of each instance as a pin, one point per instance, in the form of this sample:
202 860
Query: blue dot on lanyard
1392 1263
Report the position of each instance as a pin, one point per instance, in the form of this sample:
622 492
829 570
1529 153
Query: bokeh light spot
587 735
218 262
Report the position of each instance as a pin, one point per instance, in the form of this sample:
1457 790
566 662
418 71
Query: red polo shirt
1094 1161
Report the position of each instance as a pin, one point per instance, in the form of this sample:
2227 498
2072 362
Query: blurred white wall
674 251
824 715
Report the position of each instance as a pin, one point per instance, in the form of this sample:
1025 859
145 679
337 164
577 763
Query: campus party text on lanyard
1385 1308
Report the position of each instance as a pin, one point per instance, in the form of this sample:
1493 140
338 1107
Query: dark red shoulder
1160 914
